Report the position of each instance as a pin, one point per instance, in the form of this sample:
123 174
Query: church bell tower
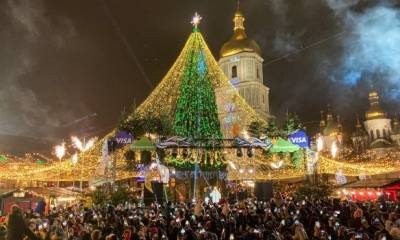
241 61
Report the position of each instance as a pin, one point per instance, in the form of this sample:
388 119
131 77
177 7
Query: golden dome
375 111
239 42
373 94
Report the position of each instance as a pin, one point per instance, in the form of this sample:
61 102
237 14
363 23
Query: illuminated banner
123 138
300 139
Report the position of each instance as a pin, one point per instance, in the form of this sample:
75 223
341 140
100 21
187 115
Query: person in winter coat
17 228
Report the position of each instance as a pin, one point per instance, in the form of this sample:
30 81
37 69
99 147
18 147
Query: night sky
72 66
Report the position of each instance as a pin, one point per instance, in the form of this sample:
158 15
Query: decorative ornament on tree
196 20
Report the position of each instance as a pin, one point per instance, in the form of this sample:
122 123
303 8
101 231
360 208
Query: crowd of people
282 217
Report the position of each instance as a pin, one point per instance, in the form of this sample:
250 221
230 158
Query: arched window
384 133
234 72
372 134
378 133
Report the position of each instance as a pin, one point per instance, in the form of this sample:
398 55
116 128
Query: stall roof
6 191
144 144
282 145
372 183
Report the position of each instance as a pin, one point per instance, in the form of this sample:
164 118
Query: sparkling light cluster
21 169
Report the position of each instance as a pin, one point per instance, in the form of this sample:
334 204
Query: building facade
379 131
377 124
330 129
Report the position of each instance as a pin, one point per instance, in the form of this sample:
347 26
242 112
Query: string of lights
239 168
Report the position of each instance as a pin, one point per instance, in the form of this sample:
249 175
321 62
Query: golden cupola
375 111
239 42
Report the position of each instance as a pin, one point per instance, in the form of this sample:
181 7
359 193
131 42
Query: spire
375 111
329 115
239 42
238 19
373 98
339 123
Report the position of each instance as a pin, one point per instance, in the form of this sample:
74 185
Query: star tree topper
196 20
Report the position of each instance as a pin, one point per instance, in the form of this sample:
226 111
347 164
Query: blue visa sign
300 139
123 138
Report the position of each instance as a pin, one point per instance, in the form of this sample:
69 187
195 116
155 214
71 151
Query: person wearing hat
17 227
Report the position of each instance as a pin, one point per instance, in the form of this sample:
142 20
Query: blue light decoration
202 64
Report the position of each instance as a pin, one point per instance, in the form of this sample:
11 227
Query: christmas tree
196 114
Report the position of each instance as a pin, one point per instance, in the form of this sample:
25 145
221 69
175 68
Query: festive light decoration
23 168
277 165
320 144
232 165
334 149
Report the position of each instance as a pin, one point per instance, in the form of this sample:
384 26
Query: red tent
371 189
